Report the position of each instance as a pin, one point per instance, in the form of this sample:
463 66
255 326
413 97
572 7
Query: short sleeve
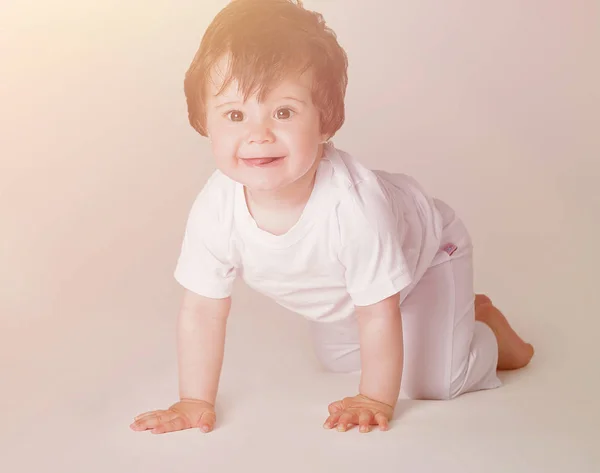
371 247
205 265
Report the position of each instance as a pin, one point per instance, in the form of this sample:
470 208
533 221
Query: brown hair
267 40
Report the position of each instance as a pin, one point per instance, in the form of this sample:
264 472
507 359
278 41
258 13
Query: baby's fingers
176 423
332 420
207 421
148 414
334 407
346 420
152 421
382 421
364 420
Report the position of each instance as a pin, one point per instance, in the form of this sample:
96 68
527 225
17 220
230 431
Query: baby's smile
262 161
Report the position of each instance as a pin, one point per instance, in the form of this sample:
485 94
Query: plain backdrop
492 106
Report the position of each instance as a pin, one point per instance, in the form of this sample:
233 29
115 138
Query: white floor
69 397
491 108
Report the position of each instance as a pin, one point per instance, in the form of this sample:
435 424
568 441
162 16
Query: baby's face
266 145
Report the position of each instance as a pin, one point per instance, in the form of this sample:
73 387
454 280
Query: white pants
446 351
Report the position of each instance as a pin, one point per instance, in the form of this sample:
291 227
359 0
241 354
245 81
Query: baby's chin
254 183
262 186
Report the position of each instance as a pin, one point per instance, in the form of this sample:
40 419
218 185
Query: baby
382 270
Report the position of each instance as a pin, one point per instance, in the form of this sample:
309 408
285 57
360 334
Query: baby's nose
260 133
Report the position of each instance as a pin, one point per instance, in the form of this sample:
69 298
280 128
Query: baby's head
268 81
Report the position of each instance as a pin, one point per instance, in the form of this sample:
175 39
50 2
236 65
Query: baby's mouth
262 161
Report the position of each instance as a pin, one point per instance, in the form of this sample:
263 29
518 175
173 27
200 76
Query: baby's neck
277 212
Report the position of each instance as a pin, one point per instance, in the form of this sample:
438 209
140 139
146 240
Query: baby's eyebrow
293 98
287 97
229 102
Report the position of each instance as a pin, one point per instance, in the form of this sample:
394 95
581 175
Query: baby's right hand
185 414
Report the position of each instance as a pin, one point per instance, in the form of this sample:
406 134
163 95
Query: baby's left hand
358 410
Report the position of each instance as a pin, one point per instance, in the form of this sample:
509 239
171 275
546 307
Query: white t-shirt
363 236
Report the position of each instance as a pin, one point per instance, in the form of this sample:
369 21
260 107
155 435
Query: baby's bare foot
513 352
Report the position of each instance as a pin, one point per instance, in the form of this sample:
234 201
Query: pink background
493 106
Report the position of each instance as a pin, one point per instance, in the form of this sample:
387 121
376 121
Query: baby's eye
235 116
284 113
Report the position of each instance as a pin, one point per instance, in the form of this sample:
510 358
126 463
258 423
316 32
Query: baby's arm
381 355
381 350
201 345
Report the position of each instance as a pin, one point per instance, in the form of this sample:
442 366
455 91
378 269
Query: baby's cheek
223 150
